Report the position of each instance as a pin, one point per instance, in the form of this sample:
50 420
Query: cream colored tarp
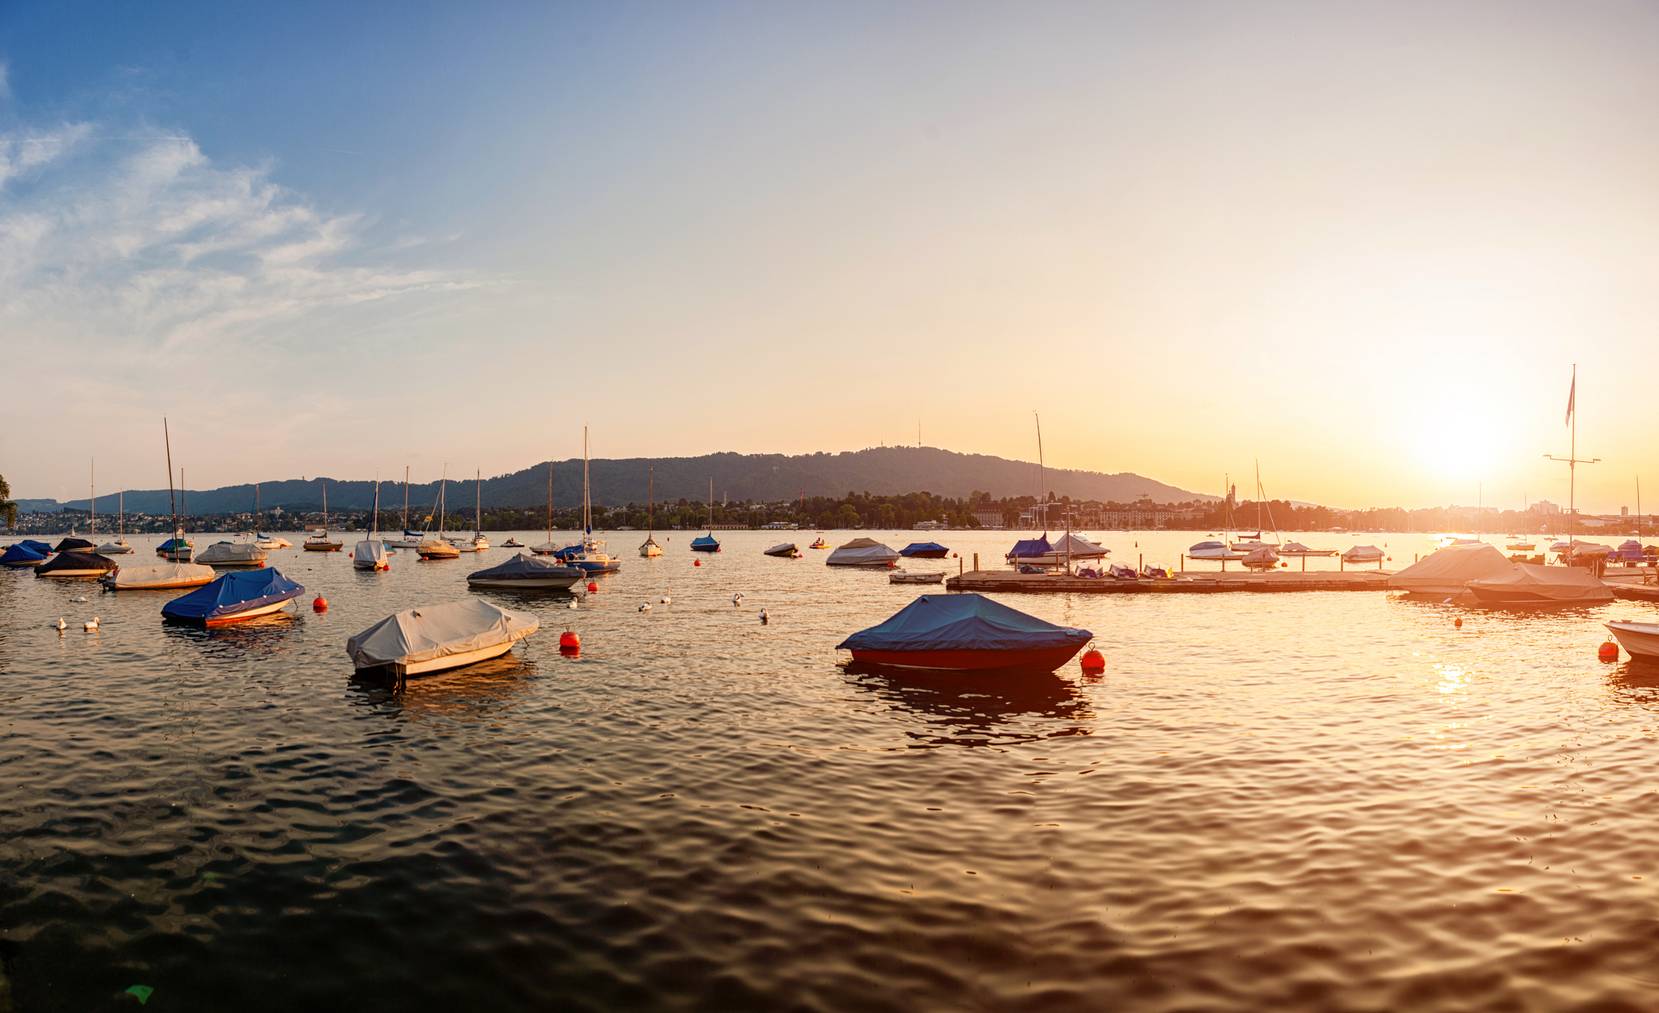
368 552
436 631
1073 546
1450 569
231 552
1528 582
862 552
160 576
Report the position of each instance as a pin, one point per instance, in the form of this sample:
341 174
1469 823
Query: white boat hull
525 583
450 661
1640 640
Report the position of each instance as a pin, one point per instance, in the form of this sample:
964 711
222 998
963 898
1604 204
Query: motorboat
784 550
648 549
1068 548
176 549
74 545
370 553
1261 558
233 598
1028 550
321 540
119 547
1448 571
1297 549
527 573
1364 554
1528 584
512 543
707 543
965 633
230 554
269 542
907 577
1640 640
75 566
1213 550
819 543
1519 544
865 552
158 577
924 550
436 638
17 557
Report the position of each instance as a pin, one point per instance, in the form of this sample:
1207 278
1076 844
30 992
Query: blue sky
1359 241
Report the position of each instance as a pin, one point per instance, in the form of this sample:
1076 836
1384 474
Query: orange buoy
696 562
592 587
1608 651
1093 661
319 604
569 642
1458 623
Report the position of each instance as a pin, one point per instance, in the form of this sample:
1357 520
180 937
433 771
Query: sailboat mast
711 504
477 502
374 521
1042 489
1572 470
121 513
443 508
324 482
550 504
405 497
92 495
182 507
587 499
650 500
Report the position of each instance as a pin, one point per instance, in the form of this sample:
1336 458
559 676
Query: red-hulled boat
965 633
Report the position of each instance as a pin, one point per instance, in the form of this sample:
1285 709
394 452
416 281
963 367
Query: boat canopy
1026 548
370 552
41 547
436 631
1629 551
160 576
74 545
923 548
174 543
1448 570
862 552
1078 547
705 540
523 566
21 555
1546 583
1362 554
75 561
947 622
232 593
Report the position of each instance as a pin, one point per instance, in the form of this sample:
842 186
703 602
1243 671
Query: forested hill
764 477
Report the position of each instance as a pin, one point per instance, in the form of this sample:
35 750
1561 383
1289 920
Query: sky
1362 243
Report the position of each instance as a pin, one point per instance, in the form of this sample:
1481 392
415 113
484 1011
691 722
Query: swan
91 625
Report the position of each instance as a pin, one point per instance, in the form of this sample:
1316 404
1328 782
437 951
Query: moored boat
924 550
19 556
1640 640
648 549
819 543
1213 550
269 542
1363 554
75 565
784 550
159 577
965 633
435 638
1527 584
527 573
1298 549
865 552
370 553
234 597
1448 571
908 577
512 543
74 545
707 543
230 554
176 549
1262 558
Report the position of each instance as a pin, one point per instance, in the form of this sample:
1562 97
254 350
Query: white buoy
61 624
91 625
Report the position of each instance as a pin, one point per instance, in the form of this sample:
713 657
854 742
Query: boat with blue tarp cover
21 555
1029 548
233 598
925 550
43 548
965 633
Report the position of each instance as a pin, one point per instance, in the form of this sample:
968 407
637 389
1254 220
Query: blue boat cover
40 547
1028 547
232 593
174 543
918 547
74 545
21 553
962 622
704 540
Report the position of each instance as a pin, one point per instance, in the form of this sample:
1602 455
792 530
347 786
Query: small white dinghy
435 638
1640 640
905 577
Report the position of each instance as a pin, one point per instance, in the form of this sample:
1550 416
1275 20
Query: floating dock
1186 583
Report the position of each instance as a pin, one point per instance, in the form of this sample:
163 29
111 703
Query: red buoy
592 587
1458 623
696 562
319 604
569 642
1608 651
1093 661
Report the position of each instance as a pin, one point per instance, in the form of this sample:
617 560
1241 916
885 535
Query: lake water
1297 801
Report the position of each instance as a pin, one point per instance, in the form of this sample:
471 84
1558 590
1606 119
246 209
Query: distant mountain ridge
764 477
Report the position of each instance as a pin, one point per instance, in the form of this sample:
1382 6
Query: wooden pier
1187 583
1633 584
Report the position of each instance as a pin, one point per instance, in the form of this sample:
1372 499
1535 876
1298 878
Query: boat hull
926 554
1639 640
1036 659
1528 599
71 574
549 583
323 546
704 548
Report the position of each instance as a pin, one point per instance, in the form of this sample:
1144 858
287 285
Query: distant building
988 518
1544 506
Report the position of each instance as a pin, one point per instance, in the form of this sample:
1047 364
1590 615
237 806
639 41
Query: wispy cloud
142 242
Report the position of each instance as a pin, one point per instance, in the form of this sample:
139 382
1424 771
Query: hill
762 477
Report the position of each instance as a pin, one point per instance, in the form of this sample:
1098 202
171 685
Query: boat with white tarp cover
434 638
1528 584
159 577
1449 570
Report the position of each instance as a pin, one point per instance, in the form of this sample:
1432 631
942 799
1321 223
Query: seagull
61 624
91 625
572 604
79 598
665 599
763 617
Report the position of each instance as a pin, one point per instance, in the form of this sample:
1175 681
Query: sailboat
321 540
119 547
479 543
262 539
370 553
1219 550
410 539
707 543
176 549
1253 542
649 548
547 548
592 556
439 547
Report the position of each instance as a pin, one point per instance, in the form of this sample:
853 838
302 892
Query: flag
1572 394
